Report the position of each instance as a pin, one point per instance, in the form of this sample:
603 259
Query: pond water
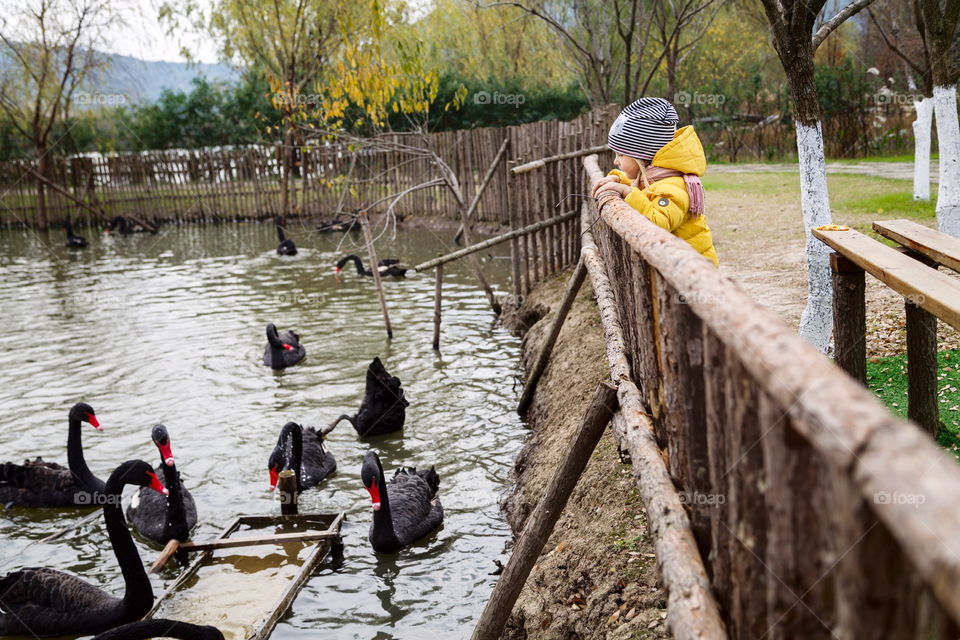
170 328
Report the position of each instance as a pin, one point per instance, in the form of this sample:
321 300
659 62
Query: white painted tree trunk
948 139
816 323
921 148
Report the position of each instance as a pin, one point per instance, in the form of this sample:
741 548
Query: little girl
668 163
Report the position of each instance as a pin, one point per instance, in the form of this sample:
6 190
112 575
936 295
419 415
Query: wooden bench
929 295
939 247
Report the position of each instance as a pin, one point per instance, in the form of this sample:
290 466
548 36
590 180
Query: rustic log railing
816 512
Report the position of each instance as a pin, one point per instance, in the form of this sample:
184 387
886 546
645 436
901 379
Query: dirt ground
760 243
597 575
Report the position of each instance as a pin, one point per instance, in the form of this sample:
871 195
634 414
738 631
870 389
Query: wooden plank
253 541
933 291
939 246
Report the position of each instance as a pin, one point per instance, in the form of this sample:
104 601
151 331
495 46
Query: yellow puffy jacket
665 202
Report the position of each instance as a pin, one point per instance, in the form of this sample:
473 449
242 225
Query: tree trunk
43 167
816 322
948 139
921 148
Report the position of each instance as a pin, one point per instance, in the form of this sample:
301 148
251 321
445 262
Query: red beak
156 485
336 270
166 454
92 419
374 496
274 479
287 347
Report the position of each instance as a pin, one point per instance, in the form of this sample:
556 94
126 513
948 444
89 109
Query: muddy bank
597 575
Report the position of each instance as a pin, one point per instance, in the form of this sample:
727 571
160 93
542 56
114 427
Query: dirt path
760 242
900 170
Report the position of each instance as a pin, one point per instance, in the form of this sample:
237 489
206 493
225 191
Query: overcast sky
144 37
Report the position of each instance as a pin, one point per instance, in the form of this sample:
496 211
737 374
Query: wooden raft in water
244 583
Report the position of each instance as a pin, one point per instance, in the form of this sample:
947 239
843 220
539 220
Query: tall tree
290 41
940 20
890 21
618 46
47 52
792 23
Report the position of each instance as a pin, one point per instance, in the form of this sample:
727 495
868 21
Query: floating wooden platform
248 578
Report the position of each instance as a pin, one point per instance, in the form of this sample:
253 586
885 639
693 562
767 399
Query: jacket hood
684 153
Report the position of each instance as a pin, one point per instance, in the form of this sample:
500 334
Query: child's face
628 165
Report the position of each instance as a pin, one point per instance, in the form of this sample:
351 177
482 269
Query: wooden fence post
540 523
375 270
436 308
576 280
287 486
849 317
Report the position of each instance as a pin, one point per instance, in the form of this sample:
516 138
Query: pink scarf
692 182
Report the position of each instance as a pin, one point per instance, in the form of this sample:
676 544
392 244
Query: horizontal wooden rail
542 162
931 290
875 452
939 247
480 246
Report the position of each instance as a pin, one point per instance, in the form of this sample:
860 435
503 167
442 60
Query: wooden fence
816 512
244 183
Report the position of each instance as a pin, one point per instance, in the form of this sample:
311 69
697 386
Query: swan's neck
78 466
176 520
359 264
275 341
280 233
383 529
139 594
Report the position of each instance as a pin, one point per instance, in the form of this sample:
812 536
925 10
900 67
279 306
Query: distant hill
142 81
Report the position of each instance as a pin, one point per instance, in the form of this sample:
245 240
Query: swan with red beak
404 510
160 518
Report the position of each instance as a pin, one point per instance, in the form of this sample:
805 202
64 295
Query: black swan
286 247
387 267
283 349
160 518
160 628
47 484
404 510
73 241
383 408
126 226
46 602
303 451
339 226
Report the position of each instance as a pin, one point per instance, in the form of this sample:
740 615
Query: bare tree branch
847 12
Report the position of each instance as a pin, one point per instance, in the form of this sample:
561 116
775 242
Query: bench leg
849 317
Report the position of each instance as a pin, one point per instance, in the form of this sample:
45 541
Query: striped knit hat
643 128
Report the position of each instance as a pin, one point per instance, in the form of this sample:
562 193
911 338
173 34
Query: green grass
897 158
887 378
896 204
884 198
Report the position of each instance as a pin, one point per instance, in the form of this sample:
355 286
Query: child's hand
614 186
604 181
